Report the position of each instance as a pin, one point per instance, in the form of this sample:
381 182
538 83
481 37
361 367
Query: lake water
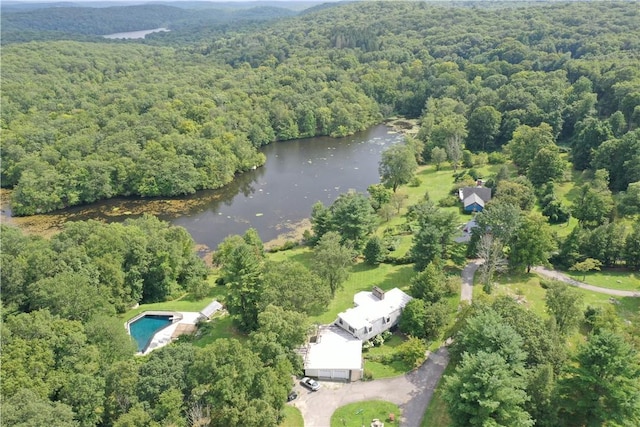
134 34
275 199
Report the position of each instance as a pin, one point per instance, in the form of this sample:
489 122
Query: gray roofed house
474 198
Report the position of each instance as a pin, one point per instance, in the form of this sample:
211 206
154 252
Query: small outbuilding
210 310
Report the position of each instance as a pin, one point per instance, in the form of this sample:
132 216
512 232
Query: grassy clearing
361 413
362 278
292 417
615 279
219 327
185 302
380 369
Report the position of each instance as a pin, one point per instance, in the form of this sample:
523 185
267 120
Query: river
275 199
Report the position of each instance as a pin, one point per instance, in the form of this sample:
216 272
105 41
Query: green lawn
219 327
185 303
374 359
292 417
615 279
362 278
362 413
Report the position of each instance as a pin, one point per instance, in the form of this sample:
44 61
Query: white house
374 312
335 351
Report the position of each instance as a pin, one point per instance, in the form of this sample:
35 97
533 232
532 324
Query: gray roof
210 309
473 198
482 192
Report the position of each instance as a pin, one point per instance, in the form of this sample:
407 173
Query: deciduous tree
332 260
397 166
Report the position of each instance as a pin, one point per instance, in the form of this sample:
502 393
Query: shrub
496 158
449 201
367 375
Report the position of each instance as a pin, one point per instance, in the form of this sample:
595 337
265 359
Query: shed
210 310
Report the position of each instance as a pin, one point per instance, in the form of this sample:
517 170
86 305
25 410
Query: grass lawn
361 413
292 417
219 327
185 303
385 370
362 278
436 413
615 279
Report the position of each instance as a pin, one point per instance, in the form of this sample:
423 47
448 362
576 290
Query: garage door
341 374
324 373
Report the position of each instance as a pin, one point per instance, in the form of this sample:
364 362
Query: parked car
292 396
310 383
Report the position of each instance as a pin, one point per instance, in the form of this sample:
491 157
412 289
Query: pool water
143 329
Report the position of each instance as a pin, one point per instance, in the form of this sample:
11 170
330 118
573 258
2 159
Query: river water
275 199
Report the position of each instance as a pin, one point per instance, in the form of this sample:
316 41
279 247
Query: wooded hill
88 121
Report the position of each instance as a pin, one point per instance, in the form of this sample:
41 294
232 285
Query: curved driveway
412 392
556 275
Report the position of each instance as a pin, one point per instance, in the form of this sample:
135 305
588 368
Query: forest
527 96
89 121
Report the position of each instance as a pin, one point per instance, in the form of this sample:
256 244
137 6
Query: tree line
89 121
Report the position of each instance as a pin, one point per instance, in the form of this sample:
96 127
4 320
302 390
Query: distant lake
134 34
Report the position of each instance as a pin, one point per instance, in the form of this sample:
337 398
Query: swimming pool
145 326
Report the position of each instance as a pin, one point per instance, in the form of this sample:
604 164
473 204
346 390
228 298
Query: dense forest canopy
540 84
87 121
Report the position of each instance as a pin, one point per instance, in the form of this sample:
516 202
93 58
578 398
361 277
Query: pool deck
164 336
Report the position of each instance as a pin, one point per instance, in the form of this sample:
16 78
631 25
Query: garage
336 355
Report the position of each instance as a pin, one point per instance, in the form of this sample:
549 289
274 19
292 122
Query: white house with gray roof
374 312
335 351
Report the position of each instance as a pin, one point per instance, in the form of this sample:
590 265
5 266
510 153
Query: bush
415 182
367 375
448 202
496 158
378 340
481 159
412 352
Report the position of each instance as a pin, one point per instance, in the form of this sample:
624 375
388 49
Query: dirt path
556 275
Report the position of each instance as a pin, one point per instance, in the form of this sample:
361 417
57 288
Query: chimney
377 292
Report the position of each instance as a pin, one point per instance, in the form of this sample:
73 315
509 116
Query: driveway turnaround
556 275
411 392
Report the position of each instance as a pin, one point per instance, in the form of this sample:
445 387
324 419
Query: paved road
411 392
556 275
469 270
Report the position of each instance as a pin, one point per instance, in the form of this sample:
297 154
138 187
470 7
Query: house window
388 319
351 329
340 321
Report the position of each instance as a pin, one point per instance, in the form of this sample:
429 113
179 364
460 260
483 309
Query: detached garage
335 355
